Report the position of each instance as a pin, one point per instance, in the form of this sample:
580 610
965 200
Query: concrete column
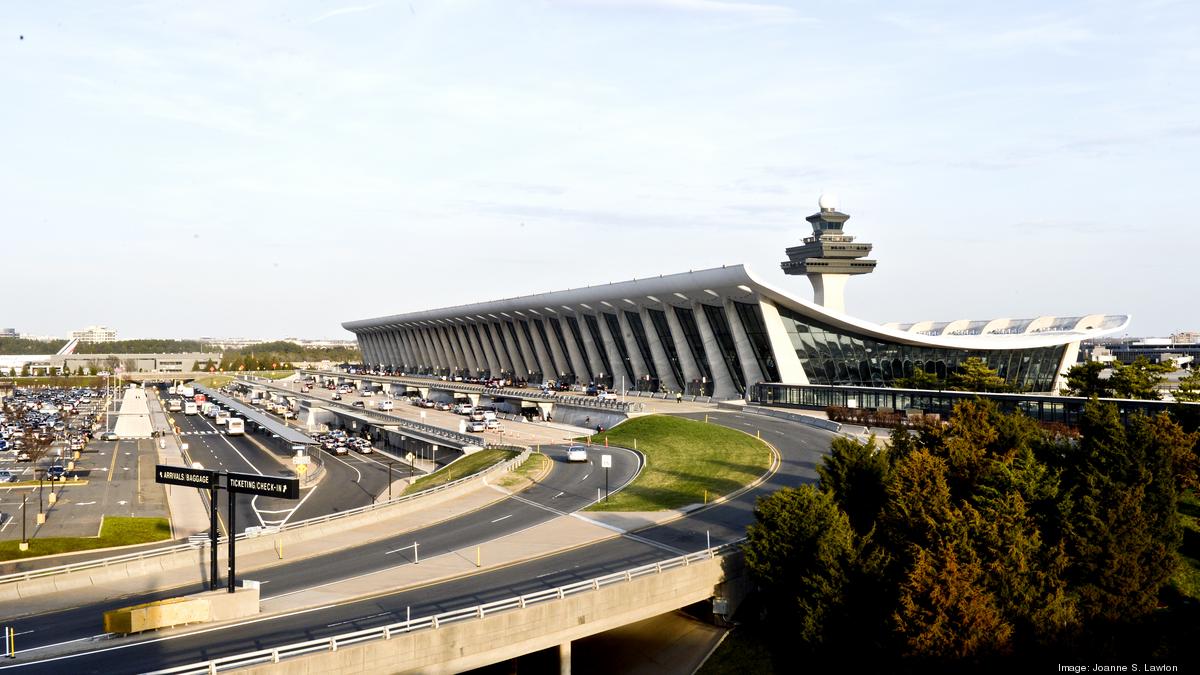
752 372
662 362
483 350
614 354
453 358
549 366
397 348
722 383
498 345
560 359
520 367
417 337
406 352
389 347
591 348
790 369
583 373
437 348
635 355
564 658
527 351
371 355
460 333
691 370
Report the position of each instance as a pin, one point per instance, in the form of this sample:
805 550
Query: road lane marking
113 468
502 518
558 495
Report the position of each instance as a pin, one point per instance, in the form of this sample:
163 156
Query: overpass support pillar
474 398
564 658
545 408
424 391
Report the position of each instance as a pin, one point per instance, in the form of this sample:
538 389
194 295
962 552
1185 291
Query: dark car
336 396
56 472
359 404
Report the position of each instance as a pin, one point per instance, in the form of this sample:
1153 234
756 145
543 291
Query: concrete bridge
500 631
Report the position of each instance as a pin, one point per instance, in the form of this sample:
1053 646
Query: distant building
95 334
1128 350
1186 337
9 332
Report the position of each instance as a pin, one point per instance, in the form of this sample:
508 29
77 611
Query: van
385 404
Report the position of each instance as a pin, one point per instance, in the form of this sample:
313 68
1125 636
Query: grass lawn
741 652
686 462
1187 577
525 474
214 381
116 531
473 463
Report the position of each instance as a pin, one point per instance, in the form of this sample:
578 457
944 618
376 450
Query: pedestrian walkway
186 506
133 419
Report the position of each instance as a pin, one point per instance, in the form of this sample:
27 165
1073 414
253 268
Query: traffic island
209 606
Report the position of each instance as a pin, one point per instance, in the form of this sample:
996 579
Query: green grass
471 464
529 469
269 374
1187 578
116 531
687 462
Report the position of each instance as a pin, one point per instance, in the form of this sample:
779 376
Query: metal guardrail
554 397
436 621
191 546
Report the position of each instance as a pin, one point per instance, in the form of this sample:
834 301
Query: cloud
353 9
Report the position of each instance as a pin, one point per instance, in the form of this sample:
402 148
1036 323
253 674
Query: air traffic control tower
829 257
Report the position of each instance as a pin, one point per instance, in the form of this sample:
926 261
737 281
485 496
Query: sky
274 168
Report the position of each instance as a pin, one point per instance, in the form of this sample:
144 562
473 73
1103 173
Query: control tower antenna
829 257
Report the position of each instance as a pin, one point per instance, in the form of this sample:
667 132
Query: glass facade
720 328
691 335
573 326
751 317
593 327
659 320
1044 408
831 356
650 381
614 331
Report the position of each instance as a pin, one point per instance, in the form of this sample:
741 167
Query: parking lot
55 435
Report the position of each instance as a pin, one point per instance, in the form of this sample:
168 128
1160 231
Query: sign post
606 462
253 484
197 478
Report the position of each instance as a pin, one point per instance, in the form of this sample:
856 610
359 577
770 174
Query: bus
189 408
235 426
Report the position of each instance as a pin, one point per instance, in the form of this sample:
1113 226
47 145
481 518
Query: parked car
24 456
577 453
7 476
109 436
56 472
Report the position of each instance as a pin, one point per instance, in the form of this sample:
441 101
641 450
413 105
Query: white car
366 393
577 453
492 424
384 405
476 425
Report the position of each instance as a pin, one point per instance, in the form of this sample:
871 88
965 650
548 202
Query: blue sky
175 169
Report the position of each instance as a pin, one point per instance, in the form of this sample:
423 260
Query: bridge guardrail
332 643
191 546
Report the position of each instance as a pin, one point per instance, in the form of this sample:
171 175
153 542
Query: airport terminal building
718 332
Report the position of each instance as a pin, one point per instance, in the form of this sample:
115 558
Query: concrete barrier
204 607
474 642
811 421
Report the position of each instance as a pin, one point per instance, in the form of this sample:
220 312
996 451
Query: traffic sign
185 476
266 486
606 461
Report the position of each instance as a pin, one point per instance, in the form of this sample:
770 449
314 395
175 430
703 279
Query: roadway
801 448
568 487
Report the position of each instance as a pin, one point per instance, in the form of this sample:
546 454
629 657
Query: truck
186 391
189 408
174 405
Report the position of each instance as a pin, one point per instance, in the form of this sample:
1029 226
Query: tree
1189 387
855 474
1086 380
1139 379
973 374
918 380
798 550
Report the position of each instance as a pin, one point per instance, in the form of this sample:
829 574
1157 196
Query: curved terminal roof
737 282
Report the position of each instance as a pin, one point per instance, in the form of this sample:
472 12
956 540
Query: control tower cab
829 257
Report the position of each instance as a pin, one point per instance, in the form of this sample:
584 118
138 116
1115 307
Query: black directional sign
267 486
185 476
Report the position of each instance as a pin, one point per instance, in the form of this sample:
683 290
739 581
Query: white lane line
502 518
554 572
558 495
361 618
585 477
396 550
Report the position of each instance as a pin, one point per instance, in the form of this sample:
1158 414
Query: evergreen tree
1139 379
918 380
855 475
973 374
1189 387
1085 379
798 551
